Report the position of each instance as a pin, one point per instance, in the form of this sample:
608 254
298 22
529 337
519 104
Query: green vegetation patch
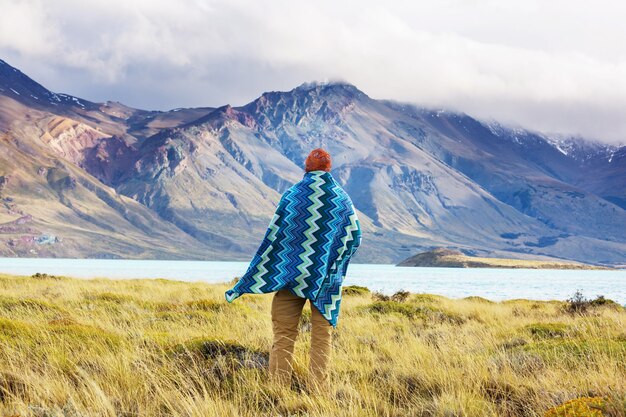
477 299
155 338
389 307
44 276
161 306
548 330
424 298
206 305
198 317
197 313
113 300
79 335
355 290
33 305
168 281
522 301
414 311
576 352
14 328
65 331
111 297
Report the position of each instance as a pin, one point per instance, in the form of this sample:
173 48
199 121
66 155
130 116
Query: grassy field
162 348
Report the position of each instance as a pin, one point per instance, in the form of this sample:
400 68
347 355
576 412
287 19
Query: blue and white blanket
307 246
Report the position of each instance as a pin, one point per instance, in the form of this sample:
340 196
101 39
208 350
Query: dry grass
162 348
524 263
462 261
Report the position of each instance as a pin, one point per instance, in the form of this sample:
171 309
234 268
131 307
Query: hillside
203 183
446 258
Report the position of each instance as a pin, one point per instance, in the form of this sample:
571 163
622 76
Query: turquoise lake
494 284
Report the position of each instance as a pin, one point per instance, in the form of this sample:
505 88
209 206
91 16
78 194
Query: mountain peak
20 87
326 101
3 63
336 87
310 85
8 71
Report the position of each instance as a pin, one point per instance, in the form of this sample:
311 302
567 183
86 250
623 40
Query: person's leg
286 311
321 333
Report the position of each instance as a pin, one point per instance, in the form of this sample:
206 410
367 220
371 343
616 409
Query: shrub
400 296
579 304
379 296
388 307
39 275
11 303
601 301
413 311
355 290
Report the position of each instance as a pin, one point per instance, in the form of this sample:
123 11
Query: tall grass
162 348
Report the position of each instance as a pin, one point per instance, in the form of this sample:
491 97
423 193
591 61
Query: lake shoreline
491 283
448 258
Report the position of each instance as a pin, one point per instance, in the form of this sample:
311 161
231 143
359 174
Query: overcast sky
553 66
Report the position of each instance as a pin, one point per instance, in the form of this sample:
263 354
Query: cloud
557 66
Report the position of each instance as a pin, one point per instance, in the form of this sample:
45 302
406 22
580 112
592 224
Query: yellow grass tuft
579 407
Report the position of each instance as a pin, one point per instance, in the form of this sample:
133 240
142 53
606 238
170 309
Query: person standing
305 255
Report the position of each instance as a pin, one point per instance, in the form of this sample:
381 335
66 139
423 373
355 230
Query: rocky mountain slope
203 183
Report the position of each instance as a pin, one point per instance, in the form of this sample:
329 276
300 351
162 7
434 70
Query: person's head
318 160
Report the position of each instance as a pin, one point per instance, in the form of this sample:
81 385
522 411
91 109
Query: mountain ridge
420 178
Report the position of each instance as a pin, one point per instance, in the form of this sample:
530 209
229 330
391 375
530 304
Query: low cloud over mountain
555 66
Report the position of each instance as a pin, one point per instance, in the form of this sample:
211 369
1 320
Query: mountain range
104 180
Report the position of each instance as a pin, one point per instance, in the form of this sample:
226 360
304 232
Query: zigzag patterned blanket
307 246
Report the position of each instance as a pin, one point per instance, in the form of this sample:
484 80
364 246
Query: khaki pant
286 311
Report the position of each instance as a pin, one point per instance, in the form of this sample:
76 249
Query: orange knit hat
318 160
